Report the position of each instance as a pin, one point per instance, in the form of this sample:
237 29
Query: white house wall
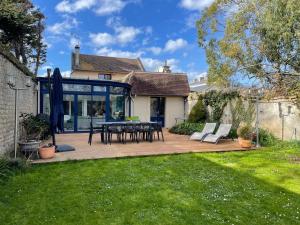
174 109
141 108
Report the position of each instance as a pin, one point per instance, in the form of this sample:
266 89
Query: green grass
257 187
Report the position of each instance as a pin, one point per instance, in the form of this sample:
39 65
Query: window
77 87
117 107
117 90
104 76
100 88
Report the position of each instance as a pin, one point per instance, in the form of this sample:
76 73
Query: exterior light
28 81
11 81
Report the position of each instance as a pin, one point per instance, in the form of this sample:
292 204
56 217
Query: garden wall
27 99
270 117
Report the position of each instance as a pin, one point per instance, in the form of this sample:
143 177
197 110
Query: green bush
198 112
35 127
245 132
233 133
187 128
266 138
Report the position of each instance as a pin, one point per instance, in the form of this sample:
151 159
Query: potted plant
34 129
47 151
245 133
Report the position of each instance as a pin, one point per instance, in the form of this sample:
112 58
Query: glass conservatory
89 100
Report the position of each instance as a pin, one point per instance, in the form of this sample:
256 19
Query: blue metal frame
93 83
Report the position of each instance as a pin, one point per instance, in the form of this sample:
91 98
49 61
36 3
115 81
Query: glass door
157 110
89 108
69 112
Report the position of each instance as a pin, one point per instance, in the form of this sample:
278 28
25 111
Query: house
96 67
105 88
159 96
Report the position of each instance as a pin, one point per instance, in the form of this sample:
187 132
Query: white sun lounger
222 132
208 129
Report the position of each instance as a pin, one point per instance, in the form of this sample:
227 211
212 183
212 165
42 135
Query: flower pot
29 146
245 143
47 152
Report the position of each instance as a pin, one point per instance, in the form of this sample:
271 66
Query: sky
153 30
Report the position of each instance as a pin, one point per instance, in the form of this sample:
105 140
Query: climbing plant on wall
242 111
217 100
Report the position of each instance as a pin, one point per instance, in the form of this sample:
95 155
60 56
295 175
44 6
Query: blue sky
154 30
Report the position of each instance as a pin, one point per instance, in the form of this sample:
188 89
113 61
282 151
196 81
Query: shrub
245 132
266 138
233 133
35 127
198 112
187 128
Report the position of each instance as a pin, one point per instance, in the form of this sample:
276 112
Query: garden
207 188
210 107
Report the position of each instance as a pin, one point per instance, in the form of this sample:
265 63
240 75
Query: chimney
76 59
166 68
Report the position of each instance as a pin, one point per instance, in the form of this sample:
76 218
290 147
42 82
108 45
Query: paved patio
174 144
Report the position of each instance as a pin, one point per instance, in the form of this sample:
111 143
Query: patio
174 144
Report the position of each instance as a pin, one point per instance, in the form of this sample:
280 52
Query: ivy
217 100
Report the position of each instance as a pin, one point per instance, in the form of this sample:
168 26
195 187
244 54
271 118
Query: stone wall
270 117
27 99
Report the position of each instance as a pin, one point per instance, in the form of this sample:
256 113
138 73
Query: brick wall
27 99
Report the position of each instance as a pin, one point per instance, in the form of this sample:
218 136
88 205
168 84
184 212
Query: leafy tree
198 112
21 28
257 39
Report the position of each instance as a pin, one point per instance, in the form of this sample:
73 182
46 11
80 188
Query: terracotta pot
47 152
245 143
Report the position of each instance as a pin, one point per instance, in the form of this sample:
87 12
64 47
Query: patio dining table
106 125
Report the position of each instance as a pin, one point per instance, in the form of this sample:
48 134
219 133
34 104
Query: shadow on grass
180 189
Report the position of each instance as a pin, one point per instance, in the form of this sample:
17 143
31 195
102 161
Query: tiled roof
107 64
158 84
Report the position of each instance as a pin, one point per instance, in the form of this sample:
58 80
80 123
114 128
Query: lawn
255 187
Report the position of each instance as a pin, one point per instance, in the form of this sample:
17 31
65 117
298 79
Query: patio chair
146 132
132 130
209 128
95 130
223 131
158 129
118 130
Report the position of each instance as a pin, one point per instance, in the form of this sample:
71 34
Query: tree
256 39
21 28
198 112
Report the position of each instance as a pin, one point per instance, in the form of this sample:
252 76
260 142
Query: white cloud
101 39
195 75
195 4
126 34
74 41
155 64
74 6
107 7
62 27
100 7
118 53
122 34
174 45
151 64
155 50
